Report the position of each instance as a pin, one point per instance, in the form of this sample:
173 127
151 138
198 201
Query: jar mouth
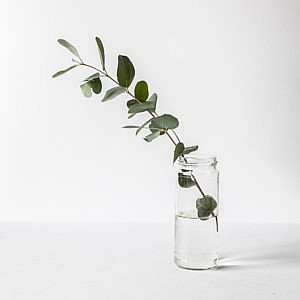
194 161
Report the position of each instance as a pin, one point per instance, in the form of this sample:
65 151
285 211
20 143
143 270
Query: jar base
197 267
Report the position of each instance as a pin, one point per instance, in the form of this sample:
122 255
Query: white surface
229 70
134 261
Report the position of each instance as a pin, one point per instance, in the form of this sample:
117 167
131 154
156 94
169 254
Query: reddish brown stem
197 185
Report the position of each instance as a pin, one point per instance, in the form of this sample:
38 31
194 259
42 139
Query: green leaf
149 105
94 82
96 75
101 52
203 214
70 47
131 126
164 122
142 126
131 103
125 72
188 150
96 85
205 206
131 116
141 91
140 107
150 137
178 151
208 202
63 71
153 100
86 90
139 127
185 181
112 93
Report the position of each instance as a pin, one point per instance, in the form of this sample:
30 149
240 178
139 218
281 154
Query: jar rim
200 159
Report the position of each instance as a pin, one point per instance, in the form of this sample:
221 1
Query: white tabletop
135 261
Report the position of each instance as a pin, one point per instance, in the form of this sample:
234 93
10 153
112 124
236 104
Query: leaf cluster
92 83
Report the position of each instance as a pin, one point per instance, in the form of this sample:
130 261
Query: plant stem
197 185
217 223
153 114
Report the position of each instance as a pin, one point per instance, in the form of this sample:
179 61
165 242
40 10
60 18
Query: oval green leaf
96 85
131 116
144 106
165 121
96 75
131 126
149 105
131 102
178 151
150 137
63 71
70 47
188 150
141 91
125 72
86 90
113 93
101 52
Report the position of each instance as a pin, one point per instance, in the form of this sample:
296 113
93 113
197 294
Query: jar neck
200 161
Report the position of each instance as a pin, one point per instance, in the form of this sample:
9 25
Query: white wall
229 70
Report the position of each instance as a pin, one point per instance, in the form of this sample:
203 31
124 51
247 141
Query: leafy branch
140 102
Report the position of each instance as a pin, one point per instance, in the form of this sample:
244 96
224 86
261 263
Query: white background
229 70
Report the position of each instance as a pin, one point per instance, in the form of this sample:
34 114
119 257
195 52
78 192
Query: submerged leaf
205 206
185 181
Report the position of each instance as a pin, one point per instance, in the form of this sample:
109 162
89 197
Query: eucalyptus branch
105 74
141 102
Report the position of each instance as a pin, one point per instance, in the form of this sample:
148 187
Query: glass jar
196 213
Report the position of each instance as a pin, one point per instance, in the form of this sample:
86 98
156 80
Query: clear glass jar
196 213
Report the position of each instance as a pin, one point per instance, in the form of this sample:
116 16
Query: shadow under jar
196 213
